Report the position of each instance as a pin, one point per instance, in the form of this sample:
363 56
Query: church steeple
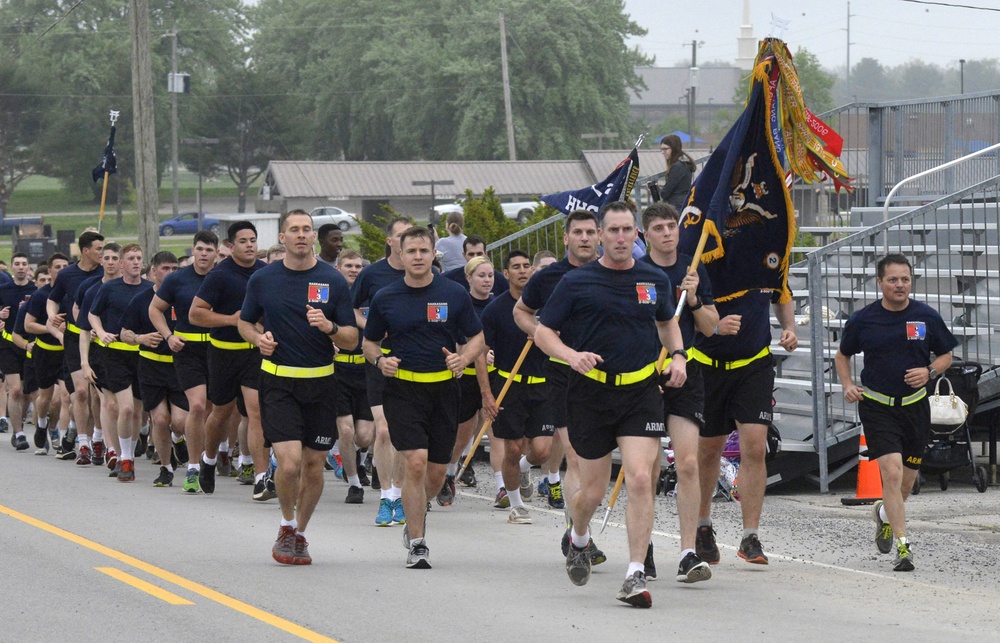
746 43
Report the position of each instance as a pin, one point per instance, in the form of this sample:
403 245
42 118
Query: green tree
20 127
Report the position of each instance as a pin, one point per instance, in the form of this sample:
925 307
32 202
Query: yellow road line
140 584
180 581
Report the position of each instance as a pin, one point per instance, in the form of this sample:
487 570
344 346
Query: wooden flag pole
104 200
503 392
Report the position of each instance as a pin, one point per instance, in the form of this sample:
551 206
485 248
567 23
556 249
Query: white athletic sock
336 447
224 445
749 532
515 497
72 425
289 523
300 533
19 434
385 494
395 493
882 514
579 542
128 448
553 477
176 438
452 469
98 435
62 434
208 460
633 568
83 440
686 552
257 478
354 481
525 465
169 467
705 522
43 423
244 459
144 429
196 467
498 476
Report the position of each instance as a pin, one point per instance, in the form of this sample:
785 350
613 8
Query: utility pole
506 89
693 89
144 124
849 16
174 124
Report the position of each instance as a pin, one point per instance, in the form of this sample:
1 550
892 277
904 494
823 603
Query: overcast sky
892 31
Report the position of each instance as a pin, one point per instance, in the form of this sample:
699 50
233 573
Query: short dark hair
285 216
43 268
162 257
88 238
56 256
889 260
413 233
395 220
473 240
326 229
616 206
18 254
236 226
113 247
580 215
512 255
656 211
205 236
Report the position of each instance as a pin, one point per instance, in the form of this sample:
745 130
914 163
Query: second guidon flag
109 163
616 187
741 198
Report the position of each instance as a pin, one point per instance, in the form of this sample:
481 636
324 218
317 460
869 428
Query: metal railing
952 244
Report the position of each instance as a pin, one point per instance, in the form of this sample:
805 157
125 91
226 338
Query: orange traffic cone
869 479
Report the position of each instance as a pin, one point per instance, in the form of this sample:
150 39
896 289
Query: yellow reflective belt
471 370
895 401
230 346
7 336
622 379
192 337
156 357
698 356
298 372
385 351
118 346
425 378
349 358
519 378
73 328
558 361
28 353
49 347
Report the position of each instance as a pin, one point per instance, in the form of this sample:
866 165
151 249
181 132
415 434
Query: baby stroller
950 447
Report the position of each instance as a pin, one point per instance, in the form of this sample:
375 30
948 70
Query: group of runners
312 353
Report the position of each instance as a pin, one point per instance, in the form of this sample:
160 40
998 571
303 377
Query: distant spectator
680 169
451 246
331 242
475 246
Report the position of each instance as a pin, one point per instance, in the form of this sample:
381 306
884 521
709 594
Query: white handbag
948 409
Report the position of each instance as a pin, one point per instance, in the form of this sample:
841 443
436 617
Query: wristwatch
933 373
375 363
683 353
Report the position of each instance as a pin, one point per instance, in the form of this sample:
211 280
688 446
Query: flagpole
503 392
104 189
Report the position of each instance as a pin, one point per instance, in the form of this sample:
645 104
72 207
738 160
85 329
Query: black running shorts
71 356
11 359
470 397
48 366
300 409
352 394
896 429
422 416
158 382
375 384
29 382
191 365
526 410
599 414
120 371
230 370
555 377
741 395
687 401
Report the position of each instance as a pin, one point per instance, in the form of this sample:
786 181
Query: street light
432 183
961 75
201 142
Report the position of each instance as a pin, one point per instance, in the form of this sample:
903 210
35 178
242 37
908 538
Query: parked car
519 210
337 216
187 223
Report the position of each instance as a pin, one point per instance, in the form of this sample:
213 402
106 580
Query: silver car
329 214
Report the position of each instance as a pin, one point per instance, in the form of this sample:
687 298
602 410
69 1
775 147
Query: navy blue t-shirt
66 284
372 279
543 283
676 274
136 319
111 301
36 306
12 295
422 321
86 294
277 297
457 275
755 327
22 313
894 342
224 289
612 313
507 340
179 290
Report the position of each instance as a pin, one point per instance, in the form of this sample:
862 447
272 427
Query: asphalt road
89 559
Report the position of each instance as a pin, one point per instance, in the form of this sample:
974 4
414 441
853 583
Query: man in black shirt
12 296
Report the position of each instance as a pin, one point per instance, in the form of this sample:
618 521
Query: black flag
108 162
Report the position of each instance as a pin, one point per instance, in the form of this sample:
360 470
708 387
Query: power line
954 5
47 30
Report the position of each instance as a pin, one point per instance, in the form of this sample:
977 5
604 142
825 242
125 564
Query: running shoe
84 457
384 517
114 472
376 483
419 556
543 488
112 459
752 551
21 443
904 558
468 477
263 489
246 474
127 472
54 437
301 555
596 555
555 495
634 591
206 477
4 424
447 494
191 484
180 450
99 451
69 441
40 438
692 569
578 565
519 516
705 545
165 479
338 465
649 565
150 451
526 486
883 530
65 455
355 495
329 464
398 516
283 550
141 443
43 451
501 501
225 465
362 474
